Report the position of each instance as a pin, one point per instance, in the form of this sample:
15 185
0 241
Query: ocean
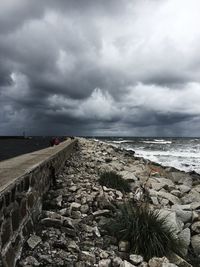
180 153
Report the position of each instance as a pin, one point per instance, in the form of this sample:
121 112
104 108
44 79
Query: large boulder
192 196
185 236
181 178
195 241
171 220
184 215
172 199
128 176
196 227
158 262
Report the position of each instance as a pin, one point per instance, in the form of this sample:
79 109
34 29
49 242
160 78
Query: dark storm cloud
99 67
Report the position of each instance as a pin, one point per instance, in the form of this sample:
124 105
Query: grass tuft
148 234
113 180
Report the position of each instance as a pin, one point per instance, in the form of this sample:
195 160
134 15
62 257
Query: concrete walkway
14 168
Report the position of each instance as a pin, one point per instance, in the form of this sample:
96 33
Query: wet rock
192 196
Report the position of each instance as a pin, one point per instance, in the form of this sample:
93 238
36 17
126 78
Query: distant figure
54 141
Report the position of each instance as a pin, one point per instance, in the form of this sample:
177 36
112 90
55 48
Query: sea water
181 153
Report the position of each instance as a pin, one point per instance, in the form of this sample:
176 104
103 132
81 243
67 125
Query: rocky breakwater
71 229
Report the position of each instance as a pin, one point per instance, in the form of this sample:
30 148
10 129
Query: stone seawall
23 182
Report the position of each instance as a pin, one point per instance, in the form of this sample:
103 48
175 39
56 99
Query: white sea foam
155 141
122 141
186 161
181 153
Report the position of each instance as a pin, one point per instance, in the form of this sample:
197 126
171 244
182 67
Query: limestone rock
101 213
136 259
173 199
33 241
104 255
117 262
171 220
30 261
158 262
195 241
87 257
196 227
184 215
177 260
192 196
128 176
75 206
185 236
105 263
127 264
169 265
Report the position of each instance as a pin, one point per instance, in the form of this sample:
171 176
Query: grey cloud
92 67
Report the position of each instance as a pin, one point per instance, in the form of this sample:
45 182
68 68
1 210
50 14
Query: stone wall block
23 208
13 192
6 232
26 183
30 200
21 204
16 218
7 198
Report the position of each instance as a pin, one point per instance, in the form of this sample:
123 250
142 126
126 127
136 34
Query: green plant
113 180
149 234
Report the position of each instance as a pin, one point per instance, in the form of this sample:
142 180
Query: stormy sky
103 67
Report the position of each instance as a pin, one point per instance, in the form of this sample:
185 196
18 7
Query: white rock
195 241
184 188
104 255
157 262
185 236
196 227
171 220
96 231
173 199
184 215
129 176
105 263
136 259
33 241
100 213
117 262
87 257
127 264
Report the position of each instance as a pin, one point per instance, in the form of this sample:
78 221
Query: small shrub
148 234
113 180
